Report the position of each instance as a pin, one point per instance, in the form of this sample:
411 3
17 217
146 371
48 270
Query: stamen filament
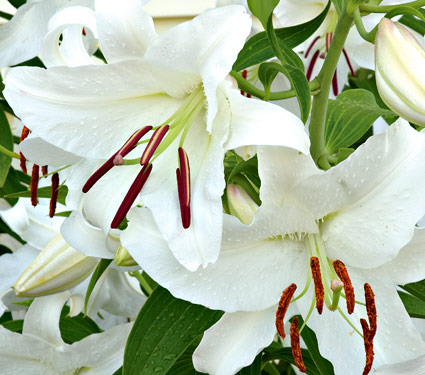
342 273
153 144
54 194
304 291
318 285
308 314
284 302
131 195
353 73
310 47
345 317
295 345
34 184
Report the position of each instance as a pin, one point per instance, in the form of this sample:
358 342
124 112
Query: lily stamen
342 273
44 170
371 308
22 159
54 194
153 144
310 47
34 184
311 65
368 344
353 73
295 345
284 302
318 285
109 164
183 187
131 195
245 75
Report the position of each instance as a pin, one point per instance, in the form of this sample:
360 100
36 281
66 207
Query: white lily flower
176 79
22 37
361 212
42 350
400 79
413 367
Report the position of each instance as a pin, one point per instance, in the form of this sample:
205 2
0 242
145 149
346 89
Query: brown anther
370 308
318 285
131 195
342 273
153 144
116 158
368 345
22 159
183 187
295 346
284 301
54 194
34 184
44 170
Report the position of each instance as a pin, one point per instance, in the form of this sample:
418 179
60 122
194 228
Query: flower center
329 278
164 135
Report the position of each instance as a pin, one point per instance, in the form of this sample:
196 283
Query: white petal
21 37
255 122
409 265
42 318
69 23
373 199
413 367
246 277
43 153
125 29
80 109
204 47
234 341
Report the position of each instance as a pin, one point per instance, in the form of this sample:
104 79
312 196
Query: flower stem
145 285
320 101
368 36
388 8
249 88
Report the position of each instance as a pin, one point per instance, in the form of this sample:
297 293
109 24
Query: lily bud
57 268
241 204
123 258
400 74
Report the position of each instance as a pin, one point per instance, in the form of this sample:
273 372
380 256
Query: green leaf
406 10
12 184
344 153
44 192
257 49
14 325
416 289
267 74
262 9
323 365
17 3
414 306
184 365
164 329
413 23
254 368
4 228
6 140
97 273
349 117
76 328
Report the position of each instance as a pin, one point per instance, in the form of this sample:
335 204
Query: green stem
388 8
249 88
368 36
320 101
7 152
145 285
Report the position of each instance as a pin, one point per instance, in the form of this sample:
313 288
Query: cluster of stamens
35 177
369 327
322 54
183 173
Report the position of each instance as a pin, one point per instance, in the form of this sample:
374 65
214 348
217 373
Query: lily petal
234 341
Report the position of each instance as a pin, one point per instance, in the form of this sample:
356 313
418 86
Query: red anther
335 84
245 75
123 151
342 273
183 187
131 195
310 47
353 73
44 170
54 194
154 142
328 41
312 64
22 159
84 31
295 346
318 285
368 345
284 302
371 308
34 184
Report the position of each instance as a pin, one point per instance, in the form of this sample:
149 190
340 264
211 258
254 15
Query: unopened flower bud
123 258
241 204
400 74
57 268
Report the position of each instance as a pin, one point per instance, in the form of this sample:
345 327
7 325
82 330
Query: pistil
336 287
